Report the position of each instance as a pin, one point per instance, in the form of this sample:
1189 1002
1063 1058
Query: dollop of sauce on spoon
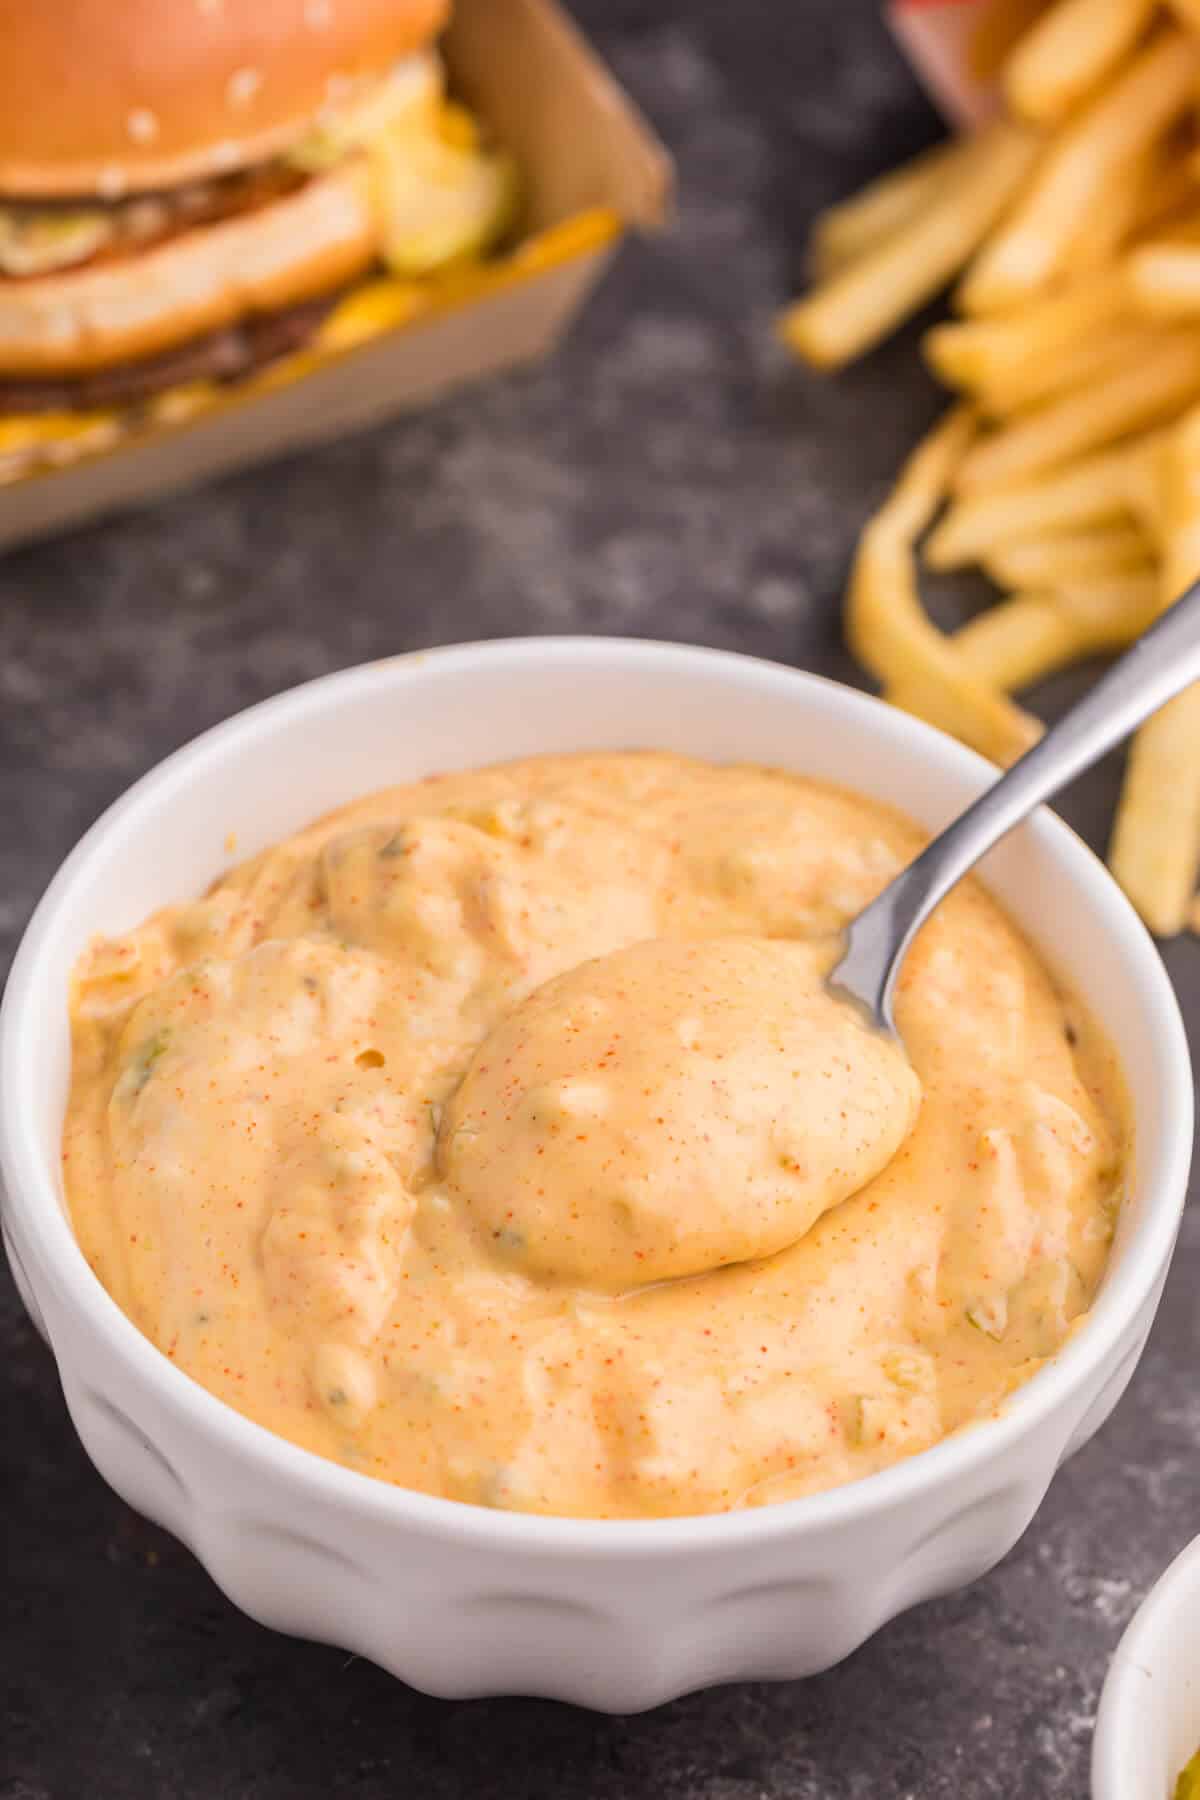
671 1108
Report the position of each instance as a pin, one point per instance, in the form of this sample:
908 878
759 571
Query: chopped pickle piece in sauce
496 1137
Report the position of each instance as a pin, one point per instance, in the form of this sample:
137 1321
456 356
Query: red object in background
956 46
935 35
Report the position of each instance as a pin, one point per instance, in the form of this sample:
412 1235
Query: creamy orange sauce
496 1136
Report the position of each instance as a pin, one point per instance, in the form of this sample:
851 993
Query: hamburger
190 192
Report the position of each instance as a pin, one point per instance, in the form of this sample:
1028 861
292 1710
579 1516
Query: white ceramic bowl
1148 1725
456 1599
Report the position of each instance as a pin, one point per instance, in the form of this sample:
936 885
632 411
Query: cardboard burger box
590 167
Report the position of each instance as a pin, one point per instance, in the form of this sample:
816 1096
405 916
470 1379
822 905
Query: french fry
1125 118
995 34
1168 192
1145 486
1159 386
888 628
1182 228
1164 279
1013 644
1029 636
1178 456
1110 615
859 224
1069 51
1106 230
1095 491
1046 377
983 355
1059 560
1155 849
854 309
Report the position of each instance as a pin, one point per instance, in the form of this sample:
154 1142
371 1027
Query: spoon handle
1164 660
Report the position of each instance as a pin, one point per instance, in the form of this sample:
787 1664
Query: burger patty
32 244
226 355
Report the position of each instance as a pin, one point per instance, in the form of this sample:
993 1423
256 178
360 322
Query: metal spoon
1165 660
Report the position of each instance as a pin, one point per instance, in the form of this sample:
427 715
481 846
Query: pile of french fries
1069 467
